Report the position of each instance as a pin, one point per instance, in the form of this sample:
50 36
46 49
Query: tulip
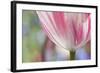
68 30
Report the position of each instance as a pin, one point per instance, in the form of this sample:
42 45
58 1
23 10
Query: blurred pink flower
67 30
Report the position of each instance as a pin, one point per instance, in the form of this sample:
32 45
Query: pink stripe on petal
60 23
80 35
89 27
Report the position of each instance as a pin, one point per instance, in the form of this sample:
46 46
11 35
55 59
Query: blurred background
37 47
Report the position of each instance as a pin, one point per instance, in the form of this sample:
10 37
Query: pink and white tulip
67 30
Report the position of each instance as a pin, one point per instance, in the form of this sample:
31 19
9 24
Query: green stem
72 55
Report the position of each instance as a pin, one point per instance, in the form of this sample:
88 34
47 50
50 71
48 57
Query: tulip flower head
68 30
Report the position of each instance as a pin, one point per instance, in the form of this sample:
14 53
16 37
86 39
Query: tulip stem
72 55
